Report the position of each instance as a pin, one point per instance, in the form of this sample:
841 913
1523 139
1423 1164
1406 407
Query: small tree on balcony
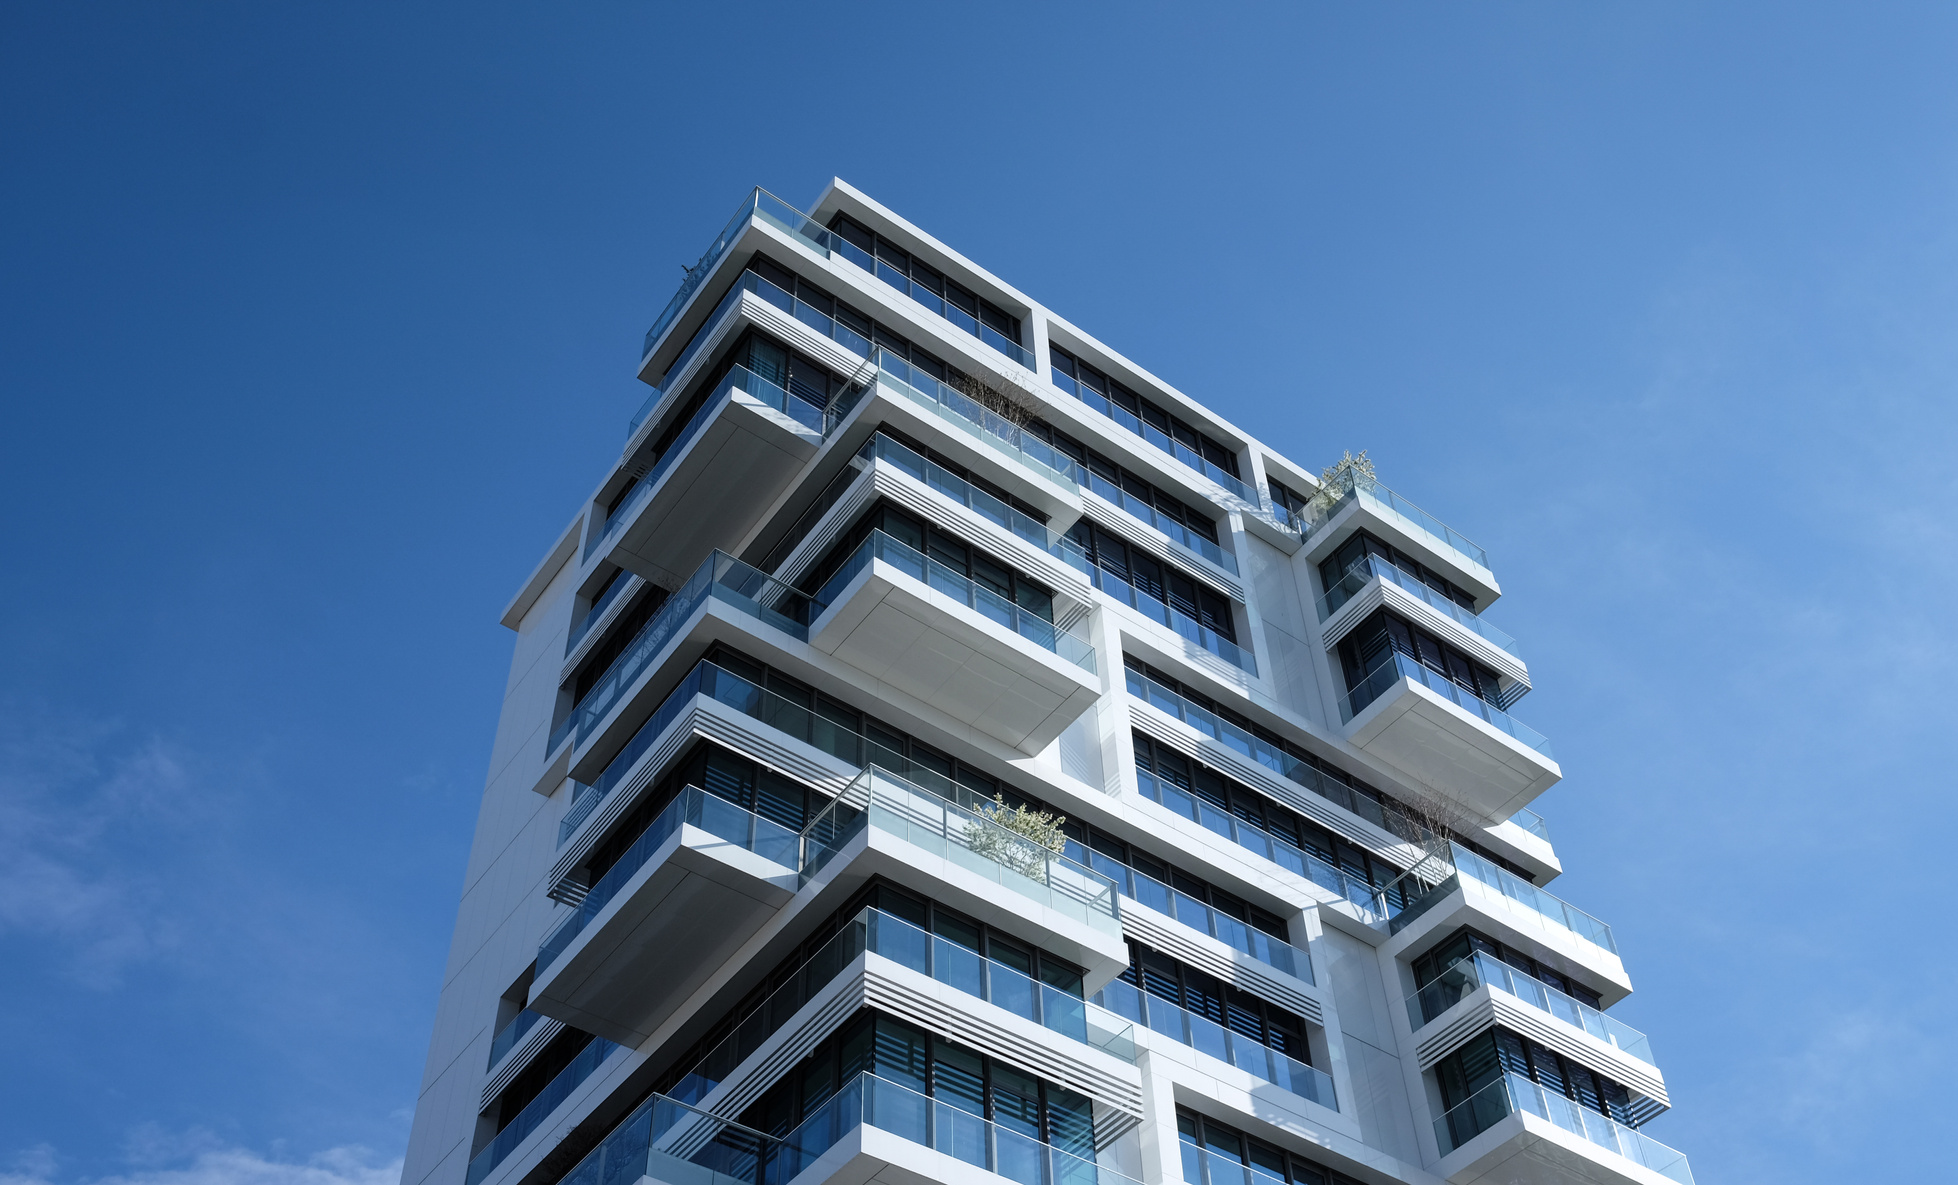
1016 837
1008 400
1337 479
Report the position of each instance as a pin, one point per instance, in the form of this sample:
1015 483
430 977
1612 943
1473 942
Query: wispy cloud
218 1165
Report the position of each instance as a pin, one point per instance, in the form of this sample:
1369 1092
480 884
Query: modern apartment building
941 751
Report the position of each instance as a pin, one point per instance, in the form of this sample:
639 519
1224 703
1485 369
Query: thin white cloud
349 1165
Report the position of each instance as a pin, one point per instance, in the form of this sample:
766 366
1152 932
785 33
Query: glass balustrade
606 600
759 204
1388 504
1204 1035
1513 1093
535 1112
909 462
720 577
974 418
879 799
507 1037
1273 757
1179 534
1235 933
665 1139
1464 976
1163 441
869 1101
987 603
1371 567
692 807
1182 623
1395 666
1531 822
1363 895
947 962
1524 893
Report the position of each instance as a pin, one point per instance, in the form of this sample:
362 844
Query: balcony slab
1483 769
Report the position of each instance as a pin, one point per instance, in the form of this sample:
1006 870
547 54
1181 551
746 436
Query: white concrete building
890 552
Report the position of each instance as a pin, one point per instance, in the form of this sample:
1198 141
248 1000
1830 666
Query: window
1487 1058
1287 499
1147 574
1334 567
1466 942
1126 488
1141 877
1159 975
929 286
647 602
1371 642
1096 389
947 550
1205 1141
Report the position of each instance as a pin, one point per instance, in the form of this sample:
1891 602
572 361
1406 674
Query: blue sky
319 321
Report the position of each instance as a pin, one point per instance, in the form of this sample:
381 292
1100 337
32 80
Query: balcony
1464 978
1180 623
873 1128
1516 1128
728 463
1163 441
1447 738
881 801
954 644
696 884
1475 891
876 932
1207 1036
1378 509
1179 534
974 419
539 1109
937 302
507 1037
720 577
942 480
1148 892
1372 567
668 1141
760 206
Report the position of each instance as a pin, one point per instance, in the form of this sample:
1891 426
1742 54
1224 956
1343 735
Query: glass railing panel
759 204
507 1037
1514 1093
611 595
968 415
1532 822
1158 1015
1179 534
1464 976
935 302
692 807
539 1109
1024 622
720 577
1369 567
1182 623
1155 436
1524 893
1271 756
1385 501
985 505
667 1140
1362 895
893 805
1397 666
1268 949
870 1101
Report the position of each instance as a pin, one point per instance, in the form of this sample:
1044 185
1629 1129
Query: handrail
1488 874
1179 534
1465 975
666 1139
1370 566
760 203
535 1112
1204 1035
933 301
1514 1093
974 418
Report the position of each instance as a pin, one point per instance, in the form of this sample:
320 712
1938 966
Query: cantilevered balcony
674 905
1516 1131
727 462
1478 971
1356 505
957 645
1374 583
1447 738
1206 1036
1163 441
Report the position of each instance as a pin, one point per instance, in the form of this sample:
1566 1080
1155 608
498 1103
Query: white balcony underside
1526 1149
669 927
737 466
943 653
1488 772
